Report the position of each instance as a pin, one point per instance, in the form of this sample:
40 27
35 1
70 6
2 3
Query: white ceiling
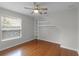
52 6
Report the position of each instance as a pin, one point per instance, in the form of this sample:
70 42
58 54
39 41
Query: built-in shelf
11 38
47 26
42 21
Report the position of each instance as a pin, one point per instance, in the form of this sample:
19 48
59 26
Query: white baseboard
14 45
68 48
53 41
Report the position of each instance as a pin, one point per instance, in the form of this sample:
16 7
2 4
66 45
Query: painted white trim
11 38
57 42
7 29
68 48
14 45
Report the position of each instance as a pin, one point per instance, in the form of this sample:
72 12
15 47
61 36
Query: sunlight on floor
16 53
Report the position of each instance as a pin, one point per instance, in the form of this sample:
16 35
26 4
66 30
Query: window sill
11 38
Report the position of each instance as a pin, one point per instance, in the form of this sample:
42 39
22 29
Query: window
11 28
11 22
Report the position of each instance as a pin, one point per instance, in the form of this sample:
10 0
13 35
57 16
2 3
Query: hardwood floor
67 52
37 48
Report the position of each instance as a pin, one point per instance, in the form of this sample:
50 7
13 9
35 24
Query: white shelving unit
12 31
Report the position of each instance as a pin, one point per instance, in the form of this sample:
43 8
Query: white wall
78 29
27 29
66 24
65 31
